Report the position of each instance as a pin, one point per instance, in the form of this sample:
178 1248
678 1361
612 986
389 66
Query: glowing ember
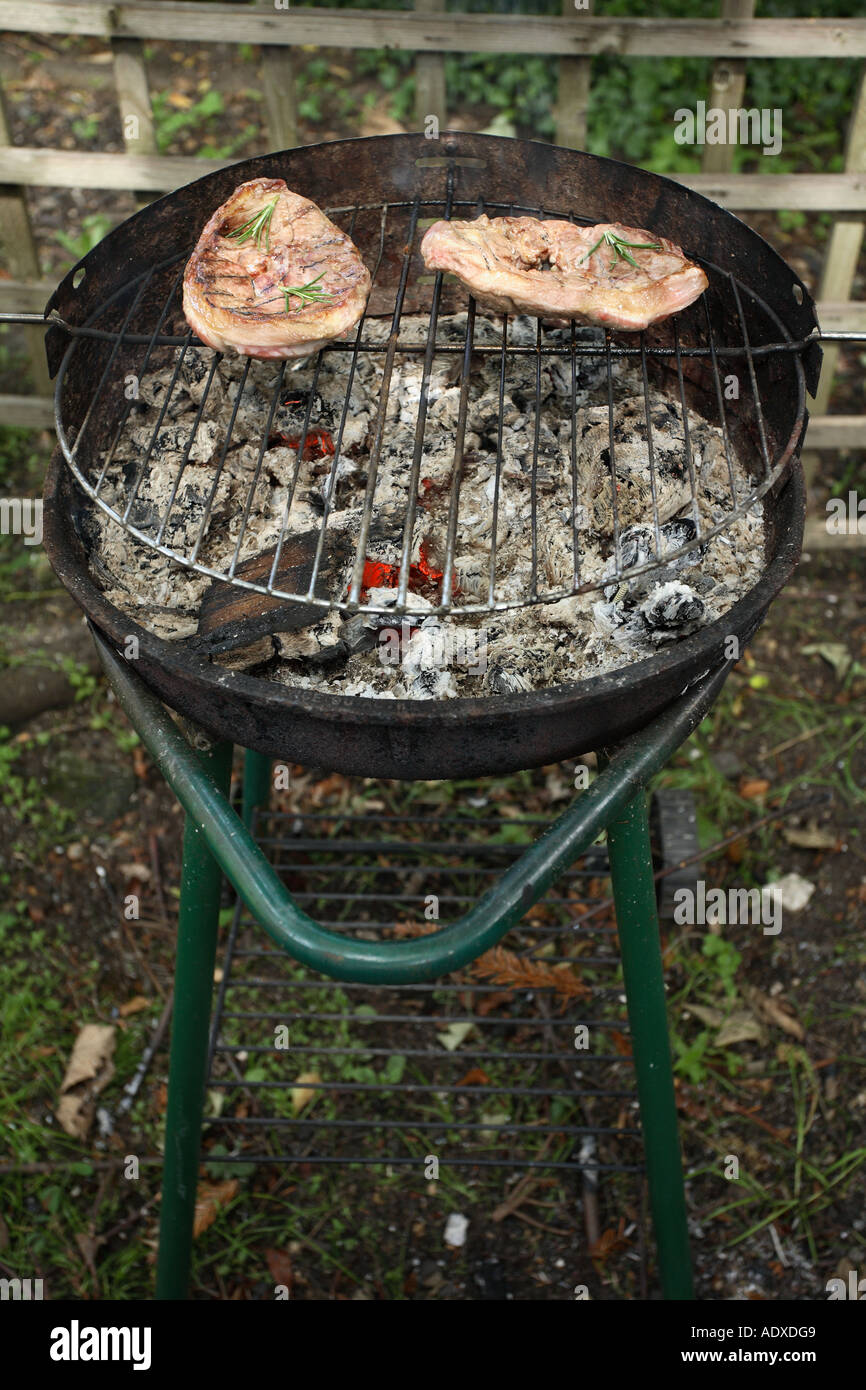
424 578
317 445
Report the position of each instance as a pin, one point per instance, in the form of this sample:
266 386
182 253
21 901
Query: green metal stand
257 784
631 873
198 921
218 841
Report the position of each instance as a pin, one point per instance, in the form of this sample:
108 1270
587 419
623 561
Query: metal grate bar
756 395
684 415
379 429
457 464
649 447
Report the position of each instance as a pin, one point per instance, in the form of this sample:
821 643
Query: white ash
529 648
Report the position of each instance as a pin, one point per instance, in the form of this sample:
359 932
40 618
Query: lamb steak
609 274
272 276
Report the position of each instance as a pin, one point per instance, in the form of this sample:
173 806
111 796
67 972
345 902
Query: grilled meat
271 276
621 277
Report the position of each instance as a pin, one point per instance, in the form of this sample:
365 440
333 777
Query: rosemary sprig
257 226
620 248
307 294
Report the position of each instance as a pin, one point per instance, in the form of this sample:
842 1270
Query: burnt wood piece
231 618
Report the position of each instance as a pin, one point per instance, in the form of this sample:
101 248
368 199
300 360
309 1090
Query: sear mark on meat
609 274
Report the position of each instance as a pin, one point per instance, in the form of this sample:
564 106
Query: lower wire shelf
520 1062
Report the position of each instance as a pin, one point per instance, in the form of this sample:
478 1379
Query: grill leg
193 986
637 922
257 784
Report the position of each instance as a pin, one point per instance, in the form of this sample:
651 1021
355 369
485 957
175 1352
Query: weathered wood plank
133 97
577 36
133 100
727 87
842 315
572 92
817 537
278 85
25 296
87 169
846 240
31 412
20 253
812 192
281 105
430 98
836 431
32 165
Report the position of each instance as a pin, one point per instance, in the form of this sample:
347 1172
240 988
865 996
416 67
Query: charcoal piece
672 607
499 681
675 534
636 548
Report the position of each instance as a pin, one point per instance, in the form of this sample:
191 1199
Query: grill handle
421 959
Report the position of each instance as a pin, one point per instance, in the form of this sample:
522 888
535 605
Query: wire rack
492 1071
141 328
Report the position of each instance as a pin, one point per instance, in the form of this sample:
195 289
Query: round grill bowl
422 739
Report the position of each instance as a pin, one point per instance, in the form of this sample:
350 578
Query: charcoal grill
118 314
122 305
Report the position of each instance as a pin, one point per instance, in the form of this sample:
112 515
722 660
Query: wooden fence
430 33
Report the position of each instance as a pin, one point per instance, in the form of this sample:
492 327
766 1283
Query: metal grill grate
517 1089
140 327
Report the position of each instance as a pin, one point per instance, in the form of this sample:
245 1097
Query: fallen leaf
452 1036
377 120
714 1018
751 788
836 654
740 1026
475 1077
488 1002
736 851
88 1072
209 1199
621 1043
609 1242
304 1090
772 1012
135 871
280 1267
811 838
134 1006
